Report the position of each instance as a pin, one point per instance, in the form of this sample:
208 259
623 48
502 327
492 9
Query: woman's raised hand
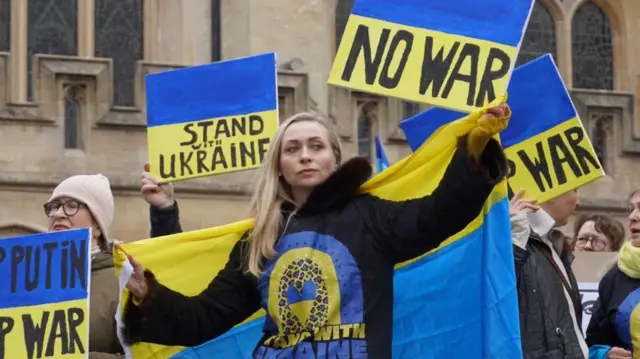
492 122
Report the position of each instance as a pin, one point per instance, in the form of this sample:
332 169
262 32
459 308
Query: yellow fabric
629 260
187 262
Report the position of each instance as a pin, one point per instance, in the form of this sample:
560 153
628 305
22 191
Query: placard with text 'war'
44 295
211 119
457 54
547 147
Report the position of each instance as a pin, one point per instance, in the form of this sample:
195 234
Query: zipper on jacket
560 334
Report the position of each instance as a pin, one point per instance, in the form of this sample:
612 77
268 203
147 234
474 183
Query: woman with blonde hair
611 333
321 255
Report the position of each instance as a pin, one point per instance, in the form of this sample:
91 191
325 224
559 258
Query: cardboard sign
211 119
588 297
588 267
44 295
548 150
453 54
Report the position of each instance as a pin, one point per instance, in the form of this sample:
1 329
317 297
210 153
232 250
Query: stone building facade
72 92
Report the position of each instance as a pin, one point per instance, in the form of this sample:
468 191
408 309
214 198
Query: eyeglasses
70 207
596 243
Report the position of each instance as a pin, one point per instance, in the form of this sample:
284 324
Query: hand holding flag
489 124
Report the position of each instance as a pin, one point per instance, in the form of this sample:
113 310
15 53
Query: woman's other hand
137 284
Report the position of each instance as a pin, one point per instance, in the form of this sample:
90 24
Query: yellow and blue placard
456 54
44 291
211 119
457 301
548 149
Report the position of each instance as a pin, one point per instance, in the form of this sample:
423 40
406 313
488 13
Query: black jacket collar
337 190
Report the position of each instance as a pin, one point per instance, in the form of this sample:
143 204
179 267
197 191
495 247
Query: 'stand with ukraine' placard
453 54
211 119
44 291
548 150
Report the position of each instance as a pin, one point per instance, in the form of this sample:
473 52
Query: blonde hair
270 192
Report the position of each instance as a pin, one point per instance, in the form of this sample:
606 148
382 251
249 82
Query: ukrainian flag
458 301
382 163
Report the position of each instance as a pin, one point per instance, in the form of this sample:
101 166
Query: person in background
163 208
86 201
598 233
612 332
548 295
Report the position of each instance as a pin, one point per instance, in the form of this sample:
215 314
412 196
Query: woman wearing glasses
598 233
86 201
613 331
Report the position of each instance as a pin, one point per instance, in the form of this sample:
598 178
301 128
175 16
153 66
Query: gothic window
601 132
72 125
343 10
118 35
366 116
216 43
410 109
282 114
52 29
5 24
592 48
540 37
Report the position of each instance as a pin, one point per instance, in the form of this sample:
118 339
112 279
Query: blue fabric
599 351
382 163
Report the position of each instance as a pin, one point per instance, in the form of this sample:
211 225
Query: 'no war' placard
44 295
548 150
456 54
211 119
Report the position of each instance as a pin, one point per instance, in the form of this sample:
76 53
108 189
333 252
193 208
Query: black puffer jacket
166 221
546 325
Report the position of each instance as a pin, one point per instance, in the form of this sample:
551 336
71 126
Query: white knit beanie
95 192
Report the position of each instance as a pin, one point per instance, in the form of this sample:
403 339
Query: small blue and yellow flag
457 301
382 163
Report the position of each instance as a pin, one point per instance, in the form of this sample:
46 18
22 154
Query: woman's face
306 156
66 213
634 219
590 240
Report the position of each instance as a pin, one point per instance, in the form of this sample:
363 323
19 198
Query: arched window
601 135
5 24
592 48
73 138
52 29
343 10
409 109
366 118
216 40
118 35
540 37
